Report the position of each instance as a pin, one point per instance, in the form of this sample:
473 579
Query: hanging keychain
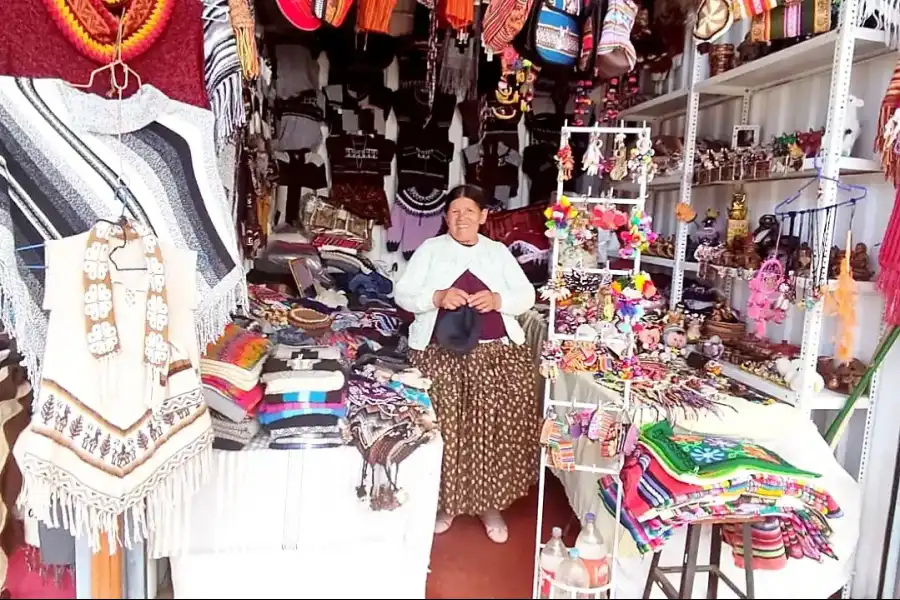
620 161
641 162
564 159
592 164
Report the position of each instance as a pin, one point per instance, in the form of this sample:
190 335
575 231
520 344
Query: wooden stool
689 567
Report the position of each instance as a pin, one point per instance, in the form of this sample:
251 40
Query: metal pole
687 172
832 144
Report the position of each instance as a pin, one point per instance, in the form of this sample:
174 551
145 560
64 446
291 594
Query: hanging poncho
119 426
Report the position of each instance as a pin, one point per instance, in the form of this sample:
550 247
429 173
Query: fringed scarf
100 313
222 70
886 143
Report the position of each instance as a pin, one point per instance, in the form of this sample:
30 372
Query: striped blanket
62 152
791 515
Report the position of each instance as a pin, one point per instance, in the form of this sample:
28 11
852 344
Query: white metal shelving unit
836 51
550 403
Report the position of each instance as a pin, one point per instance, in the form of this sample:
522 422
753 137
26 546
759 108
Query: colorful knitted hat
299 13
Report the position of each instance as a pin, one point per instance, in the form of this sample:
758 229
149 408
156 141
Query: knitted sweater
62 159
33 45
415 217
438 264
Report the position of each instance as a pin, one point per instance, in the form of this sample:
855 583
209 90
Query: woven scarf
222 70
99 309
889 254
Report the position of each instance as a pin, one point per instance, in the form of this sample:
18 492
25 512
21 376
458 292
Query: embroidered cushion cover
710 457
114 434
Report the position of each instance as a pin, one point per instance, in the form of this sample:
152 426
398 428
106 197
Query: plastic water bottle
593 552
552 554
572 574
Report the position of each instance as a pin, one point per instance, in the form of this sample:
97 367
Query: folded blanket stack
672 479
230 370
304 404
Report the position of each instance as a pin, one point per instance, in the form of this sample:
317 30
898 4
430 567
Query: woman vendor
466 291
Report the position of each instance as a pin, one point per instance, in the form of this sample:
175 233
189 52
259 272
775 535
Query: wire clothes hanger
861 193
117 89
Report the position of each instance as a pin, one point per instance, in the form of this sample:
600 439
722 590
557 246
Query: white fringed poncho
94 451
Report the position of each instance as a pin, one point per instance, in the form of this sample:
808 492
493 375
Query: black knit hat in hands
458 330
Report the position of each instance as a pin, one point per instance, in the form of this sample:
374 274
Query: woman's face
464 217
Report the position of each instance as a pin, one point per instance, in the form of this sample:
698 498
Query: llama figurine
851 124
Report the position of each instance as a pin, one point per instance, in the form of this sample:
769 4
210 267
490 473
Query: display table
779 427
288 524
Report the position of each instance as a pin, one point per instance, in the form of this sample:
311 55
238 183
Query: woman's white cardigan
439 262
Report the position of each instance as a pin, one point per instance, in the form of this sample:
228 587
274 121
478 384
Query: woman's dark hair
466 190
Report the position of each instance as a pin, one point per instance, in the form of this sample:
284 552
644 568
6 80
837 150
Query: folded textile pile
230 370
304 401
673 479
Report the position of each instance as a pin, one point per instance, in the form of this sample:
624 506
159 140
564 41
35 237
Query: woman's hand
485 301
450 299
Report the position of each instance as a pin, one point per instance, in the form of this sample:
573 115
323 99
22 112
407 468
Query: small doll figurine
766 235
713 348
674 337
695 323
708 235
649 337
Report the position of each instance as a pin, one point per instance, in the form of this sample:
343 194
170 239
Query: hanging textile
68 39
120 428
889 255
222 70
60 183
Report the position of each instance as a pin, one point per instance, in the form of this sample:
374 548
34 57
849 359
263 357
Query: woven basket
727 332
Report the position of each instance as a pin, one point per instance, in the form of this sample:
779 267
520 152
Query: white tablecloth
780 428
292 526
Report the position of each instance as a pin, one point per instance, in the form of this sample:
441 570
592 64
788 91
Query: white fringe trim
887 17
59 500
28 329
210 322
227 103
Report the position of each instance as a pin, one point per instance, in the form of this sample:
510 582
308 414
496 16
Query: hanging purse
591 25
615 52
502 22
552 35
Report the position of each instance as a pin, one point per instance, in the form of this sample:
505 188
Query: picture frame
303 277
744 136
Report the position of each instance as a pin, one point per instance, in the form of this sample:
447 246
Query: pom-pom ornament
639 235
608 218
559 218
